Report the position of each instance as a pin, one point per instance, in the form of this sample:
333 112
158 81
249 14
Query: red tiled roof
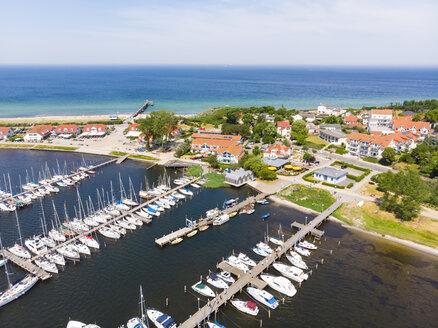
350 118
4 130
353 124
216 136
280 149
283 124
99 127
42 130
133 126
407 123
69 127
383 140
234 149
382 111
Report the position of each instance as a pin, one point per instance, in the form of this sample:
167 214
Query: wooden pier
314 233
121 159
27 265
145 105
246 279
167 239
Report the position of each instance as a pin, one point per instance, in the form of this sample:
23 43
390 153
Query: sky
222 32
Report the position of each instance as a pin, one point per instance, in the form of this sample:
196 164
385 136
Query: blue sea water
51 90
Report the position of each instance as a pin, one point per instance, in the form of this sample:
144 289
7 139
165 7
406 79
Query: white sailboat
89 241
302 251
46 265
69 253
109 233
265 247
296 260
305 244
18 249
78 324
55 258
141 322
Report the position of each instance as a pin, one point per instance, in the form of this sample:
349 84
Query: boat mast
144 316
6 264
19 231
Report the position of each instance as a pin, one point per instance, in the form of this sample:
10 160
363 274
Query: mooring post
167 302
185 289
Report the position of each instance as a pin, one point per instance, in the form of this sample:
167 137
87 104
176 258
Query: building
331 127
360 144
239 177
268 118
67 130
38 133
133 130
278 163
330 175
297 117
5 132
405 123
227 148
283 129
324 109
364 115
380 120
308 116
335 137
216 136
351 119
94 130
277 151
230 154
356 124
312 128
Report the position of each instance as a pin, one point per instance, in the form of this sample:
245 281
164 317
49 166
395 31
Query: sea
357 280
88 90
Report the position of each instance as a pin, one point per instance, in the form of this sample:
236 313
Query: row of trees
425 155
159 125
255 163
411 105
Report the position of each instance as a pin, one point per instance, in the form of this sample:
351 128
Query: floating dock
27 265
247 279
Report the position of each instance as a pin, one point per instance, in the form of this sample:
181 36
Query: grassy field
215 181
405 166
55 147
316 140
145 157
117 153
369 190
369 217
15 146
313 198
194 170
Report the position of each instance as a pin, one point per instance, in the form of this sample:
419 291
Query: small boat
56 235
226 276
302 251
203 289
178 182
221 219
160 320
3 262
265 216
263 297
91 172
118 229
191 234
233 214
230 203
251 211
19 251
264 247
259 251
69 253
203 228
298 262
176 241
276 241
247 307
280 284
263 202
212 213
178 195
141 322
305 244
291 272
217 282
109 233
35 245
246 260
89 241
235 262
81 248
194 185
46 265
214 325
55 258
78 324
185 191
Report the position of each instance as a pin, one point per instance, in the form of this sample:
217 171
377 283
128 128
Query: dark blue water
32 91
367 282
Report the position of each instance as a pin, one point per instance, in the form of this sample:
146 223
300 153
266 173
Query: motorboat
81 248
276 241
192 233
46 265
18 288
214 325
259 251
264 247
195 185
55 258
176 241
280 284
69 253
20 251
118 229
263 297
221 219
89 241
291 272
212 213
250 211
78 324
235 262
203 289
56 235
247 307
246 260
230 203
296 260
49 242
185 191
226 276
109 233
265 216
305 244
217 282
35 245
178 182
262 202
160 320
302 251
233 214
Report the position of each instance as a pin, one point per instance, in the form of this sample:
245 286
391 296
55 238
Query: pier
167 239
120 160
247 279
145 105
27 265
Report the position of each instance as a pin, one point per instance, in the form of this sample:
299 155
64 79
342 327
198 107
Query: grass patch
194 170
314 198
371 160
313 145
55 147
15 146
215 181
316 140
145 157
338 150
117 153
371 218
406 166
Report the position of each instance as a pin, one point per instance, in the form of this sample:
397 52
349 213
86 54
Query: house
277 151
94 130
239 177
351 119
230 154
297 117
5 132
405 123
278 163
336 137
332 127
38 133
176 132
324 109
133 130
283 129
356 124
268 118
312 128
67 130
330 175
227 148
360 144
364 115
308 116
216 136
380 120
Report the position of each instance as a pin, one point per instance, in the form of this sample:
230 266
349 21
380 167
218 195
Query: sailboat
160 319
141 322
78 324
18 249
17 288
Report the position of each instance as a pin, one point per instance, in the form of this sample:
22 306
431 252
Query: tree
299 131
256 151
183 148
388 156
244 130
307 157
431 116
212 160
159 125
247 118
332 119
417 117
232 117
266 174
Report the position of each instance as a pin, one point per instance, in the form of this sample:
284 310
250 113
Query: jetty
314 233
245 279
27 265
167 239
145 105
121 159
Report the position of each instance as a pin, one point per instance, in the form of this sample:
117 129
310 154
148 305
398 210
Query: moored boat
203 289
226 276
160 320
263 297
247 307
280 284
305 244
290 272
217 282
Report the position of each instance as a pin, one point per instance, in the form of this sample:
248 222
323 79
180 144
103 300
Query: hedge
306 177
332 185
353 177
350 185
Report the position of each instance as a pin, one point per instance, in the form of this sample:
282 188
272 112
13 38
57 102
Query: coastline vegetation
314 198
118 153
15 145
145 157
55 147
215 180
194 170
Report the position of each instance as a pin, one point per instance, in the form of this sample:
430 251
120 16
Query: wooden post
269 314
185 289
322 261
331 252
339 243
261 323
167 302
316 266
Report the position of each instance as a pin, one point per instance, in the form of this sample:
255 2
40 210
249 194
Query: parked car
344 167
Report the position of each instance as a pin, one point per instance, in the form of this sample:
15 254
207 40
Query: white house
133 131
330 175
324 109
5 133
380 120
277 151
67 130
38 133
297 117
283 129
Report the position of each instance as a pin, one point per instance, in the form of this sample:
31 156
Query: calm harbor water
366 282
58 90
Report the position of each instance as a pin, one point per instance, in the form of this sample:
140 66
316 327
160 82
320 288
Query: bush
266 174
350 185
333 185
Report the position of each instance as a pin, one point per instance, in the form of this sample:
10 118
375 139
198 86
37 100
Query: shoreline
419 247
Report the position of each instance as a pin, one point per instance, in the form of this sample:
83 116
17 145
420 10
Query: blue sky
224 32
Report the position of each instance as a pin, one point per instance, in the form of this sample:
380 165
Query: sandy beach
79 119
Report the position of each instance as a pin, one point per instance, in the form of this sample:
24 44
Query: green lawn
313 198
195 170
145 157
55 147
15 146
316 140
117 153
215 181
